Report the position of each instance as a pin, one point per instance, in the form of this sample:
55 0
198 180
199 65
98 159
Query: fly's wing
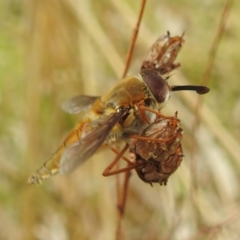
163 53
78 152
78 104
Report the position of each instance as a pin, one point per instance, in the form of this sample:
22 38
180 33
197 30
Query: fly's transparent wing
78 152
78 104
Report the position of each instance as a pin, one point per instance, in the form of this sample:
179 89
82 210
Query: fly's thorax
131 92
128 92
139 93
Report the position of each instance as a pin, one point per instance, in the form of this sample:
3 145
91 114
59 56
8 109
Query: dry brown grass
52 50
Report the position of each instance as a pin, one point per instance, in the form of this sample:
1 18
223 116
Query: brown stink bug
158 150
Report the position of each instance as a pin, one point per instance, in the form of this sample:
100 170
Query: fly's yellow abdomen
51 167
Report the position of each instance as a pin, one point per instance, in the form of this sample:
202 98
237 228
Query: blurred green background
52 50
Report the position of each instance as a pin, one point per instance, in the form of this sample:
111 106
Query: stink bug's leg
108 171
153 139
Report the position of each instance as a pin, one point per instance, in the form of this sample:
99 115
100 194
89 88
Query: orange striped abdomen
51 166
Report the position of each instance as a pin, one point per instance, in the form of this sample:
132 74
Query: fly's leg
108 171
142 109
121 193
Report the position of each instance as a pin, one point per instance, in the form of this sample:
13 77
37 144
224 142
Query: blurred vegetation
52 50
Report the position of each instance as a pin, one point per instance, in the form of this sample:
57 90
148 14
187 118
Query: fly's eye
156 84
